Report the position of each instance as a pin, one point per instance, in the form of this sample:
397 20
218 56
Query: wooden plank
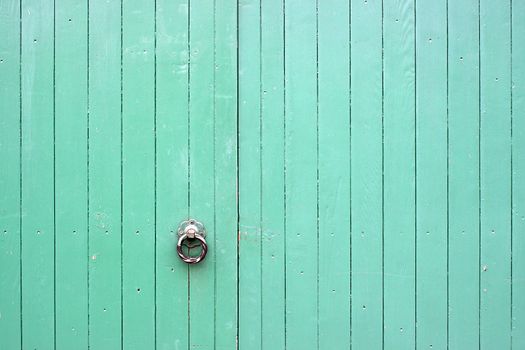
301 175
463 173
495 131
71 131
225 239
201 135
272 178
38 236
431 184
333 197
10 176
366 177
518 174
250 190
172 171
138 175
105 142
399 174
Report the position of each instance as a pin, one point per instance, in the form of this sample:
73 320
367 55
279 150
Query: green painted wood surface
171 171
10 189
105 174
518 176
399 174
359 167
96 117
495 176
463 175
38 239
70 174
138 174
431 175
366 170
366 174
301 175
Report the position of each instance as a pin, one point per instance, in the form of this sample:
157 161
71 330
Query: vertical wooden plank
38 236
495 164
105 229
10 176
431 160
272 179
333 104
518 174
250 236
138 175
202 171
367 188
172 171
301 175
399 174
463 172
225 207
71 174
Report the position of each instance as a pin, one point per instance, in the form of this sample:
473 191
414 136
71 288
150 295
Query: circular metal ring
190 259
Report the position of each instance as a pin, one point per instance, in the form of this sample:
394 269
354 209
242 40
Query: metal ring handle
189 259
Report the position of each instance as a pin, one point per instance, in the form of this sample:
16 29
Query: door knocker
191 234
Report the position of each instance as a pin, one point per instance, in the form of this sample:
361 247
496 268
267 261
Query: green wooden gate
359 166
